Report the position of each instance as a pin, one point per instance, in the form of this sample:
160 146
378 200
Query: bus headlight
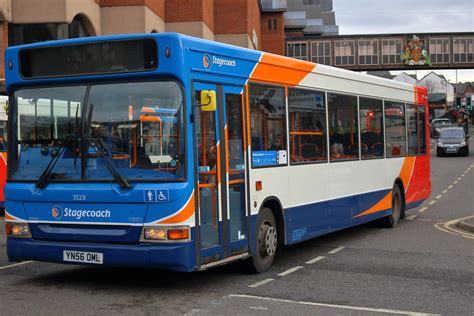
154 234
157 233
17 230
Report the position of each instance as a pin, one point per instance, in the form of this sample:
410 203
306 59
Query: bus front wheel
266 242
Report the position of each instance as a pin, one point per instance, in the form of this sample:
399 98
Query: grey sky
403 16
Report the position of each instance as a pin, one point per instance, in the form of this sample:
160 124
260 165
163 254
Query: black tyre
266 242
391 220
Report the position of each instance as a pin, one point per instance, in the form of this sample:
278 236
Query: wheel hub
270 241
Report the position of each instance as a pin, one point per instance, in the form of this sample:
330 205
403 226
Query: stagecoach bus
163 150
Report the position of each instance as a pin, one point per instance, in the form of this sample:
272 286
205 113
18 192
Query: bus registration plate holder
83 257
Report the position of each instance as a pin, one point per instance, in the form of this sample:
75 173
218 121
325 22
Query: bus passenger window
343 127
371 128
307 126
422 127
395 129
412 122
267 124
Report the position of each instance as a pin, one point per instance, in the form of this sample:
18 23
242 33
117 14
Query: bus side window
371 128
422 127
268 118
395 129
307 126
343 127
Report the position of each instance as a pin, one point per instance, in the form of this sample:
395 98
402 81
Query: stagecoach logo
206 61
57 212
209 60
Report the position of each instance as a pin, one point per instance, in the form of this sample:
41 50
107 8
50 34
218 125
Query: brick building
256 24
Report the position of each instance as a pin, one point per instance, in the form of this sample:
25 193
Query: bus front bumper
176 256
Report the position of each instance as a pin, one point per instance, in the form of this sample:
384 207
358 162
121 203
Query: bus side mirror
208 100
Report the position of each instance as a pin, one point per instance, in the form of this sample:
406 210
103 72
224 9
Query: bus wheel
267 241
397 207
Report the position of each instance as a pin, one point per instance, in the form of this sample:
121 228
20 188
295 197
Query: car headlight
440 144
463 144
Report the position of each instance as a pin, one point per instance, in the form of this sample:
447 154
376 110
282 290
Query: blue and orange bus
163 150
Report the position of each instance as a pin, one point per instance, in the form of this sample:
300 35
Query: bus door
221 174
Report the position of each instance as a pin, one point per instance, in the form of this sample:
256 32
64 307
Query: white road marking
261 283
315 260
354 308
439 196
459 179
424 208
284 273
336 250
455 182
15 265
432 202
444 191
260 308
411 217
450 186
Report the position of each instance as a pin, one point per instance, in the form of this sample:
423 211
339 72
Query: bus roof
201 58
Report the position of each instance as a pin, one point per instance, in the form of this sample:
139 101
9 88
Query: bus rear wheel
397 208
266 242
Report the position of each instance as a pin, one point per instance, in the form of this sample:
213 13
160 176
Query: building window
321 52
463 50
371 128
395 129
439 50
307 126
368 52
391 49
344 53
267 125
343 127
297 50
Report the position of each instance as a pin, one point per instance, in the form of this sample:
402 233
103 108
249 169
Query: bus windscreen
92 58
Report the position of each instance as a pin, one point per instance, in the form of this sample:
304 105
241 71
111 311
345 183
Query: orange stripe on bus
386 202
284 70
8 217
186 212
405 172
382 205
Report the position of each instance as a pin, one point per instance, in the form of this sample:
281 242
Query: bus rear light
178 234
258 185
17 230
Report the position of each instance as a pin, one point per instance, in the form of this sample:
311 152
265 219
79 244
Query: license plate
451 150
82 256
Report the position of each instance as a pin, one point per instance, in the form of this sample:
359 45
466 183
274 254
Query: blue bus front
98 168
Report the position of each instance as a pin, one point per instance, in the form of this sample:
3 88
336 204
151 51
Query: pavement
467 224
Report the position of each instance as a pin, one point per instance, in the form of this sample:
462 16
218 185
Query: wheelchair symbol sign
162 196
154 196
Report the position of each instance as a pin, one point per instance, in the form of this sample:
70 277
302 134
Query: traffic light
458 103
469 102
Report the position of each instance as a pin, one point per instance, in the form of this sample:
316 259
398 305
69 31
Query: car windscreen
452 134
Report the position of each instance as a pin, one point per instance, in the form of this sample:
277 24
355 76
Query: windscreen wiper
100 150
55 155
